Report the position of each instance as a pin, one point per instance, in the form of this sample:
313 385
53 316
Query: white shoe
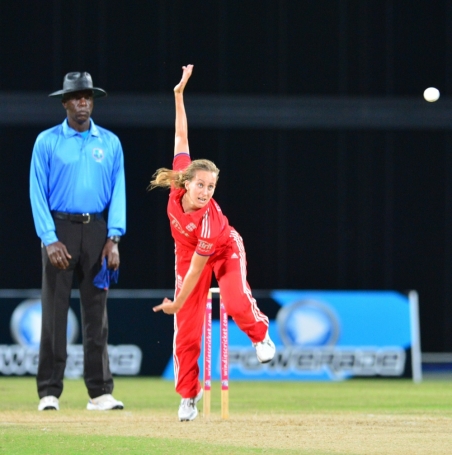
104 403
265 349
187 408
49 403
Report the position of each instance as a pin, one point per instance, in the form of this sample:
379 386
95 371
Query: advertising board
319 335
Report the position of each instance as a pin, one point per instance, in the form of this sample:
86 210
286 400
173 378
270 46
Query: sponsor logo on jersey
234 256
190 227
98 154
204 246
177 225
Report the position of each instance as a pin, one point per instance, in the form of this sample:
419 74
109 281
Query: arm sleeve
117 209
39 192
181 161
206 247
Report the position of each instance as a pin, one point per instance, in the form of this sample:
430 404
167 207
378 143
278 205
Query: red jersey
205 230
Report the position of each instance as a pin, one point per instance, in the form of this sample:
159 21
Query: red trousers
229 268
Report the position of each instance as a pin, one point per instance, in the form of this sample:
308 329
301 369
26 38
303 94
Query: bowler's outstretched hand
186 73
167 306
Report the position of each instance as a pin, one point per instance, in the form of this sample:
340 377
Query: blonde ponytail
166 178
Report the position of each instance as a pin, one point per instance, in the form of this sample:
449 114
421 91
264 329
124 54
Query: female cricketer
205 243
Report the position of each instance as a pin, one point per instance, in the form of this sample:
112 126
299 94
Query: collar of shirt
69 132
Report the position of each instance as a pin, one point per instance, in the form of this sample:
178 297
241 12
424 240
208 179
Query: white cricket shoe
104 403
265 349
49 403
187 408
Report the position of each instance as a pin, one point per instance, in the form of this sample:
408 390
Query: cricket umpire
77 192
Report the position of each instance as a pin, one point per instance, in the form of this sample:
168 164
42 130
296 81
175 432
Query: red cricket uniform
207 232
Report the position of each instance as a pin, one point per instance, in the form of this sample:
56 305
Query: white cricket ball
431 94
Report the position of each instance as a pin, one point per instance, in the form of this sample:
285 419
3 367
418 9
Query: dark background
318 208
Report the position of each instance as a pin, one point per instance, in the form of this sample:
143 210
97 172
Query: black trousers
84 243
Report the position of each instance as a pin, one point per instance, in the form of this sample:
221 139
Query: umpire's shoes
265 349
104 403
187 408
49 403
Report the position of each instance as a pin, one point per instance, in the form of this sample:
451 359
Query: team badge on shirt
190 227
98 154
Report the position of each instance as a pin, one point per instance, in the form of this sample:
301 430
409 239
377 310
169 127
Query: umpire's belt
77 217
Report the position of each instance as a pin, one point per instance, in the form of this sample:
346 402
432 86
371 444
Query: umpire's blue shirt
76 174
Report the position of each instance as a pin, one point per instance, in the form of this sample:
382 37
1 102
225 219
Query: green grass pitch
351 417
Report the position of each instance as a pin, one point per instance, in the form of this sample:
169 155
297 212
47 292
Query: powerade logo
308 323
22 358
330 336
26 324
323 336
310 329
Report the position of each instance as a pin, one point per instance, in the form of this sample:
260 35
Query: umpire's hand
111 252
58 255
